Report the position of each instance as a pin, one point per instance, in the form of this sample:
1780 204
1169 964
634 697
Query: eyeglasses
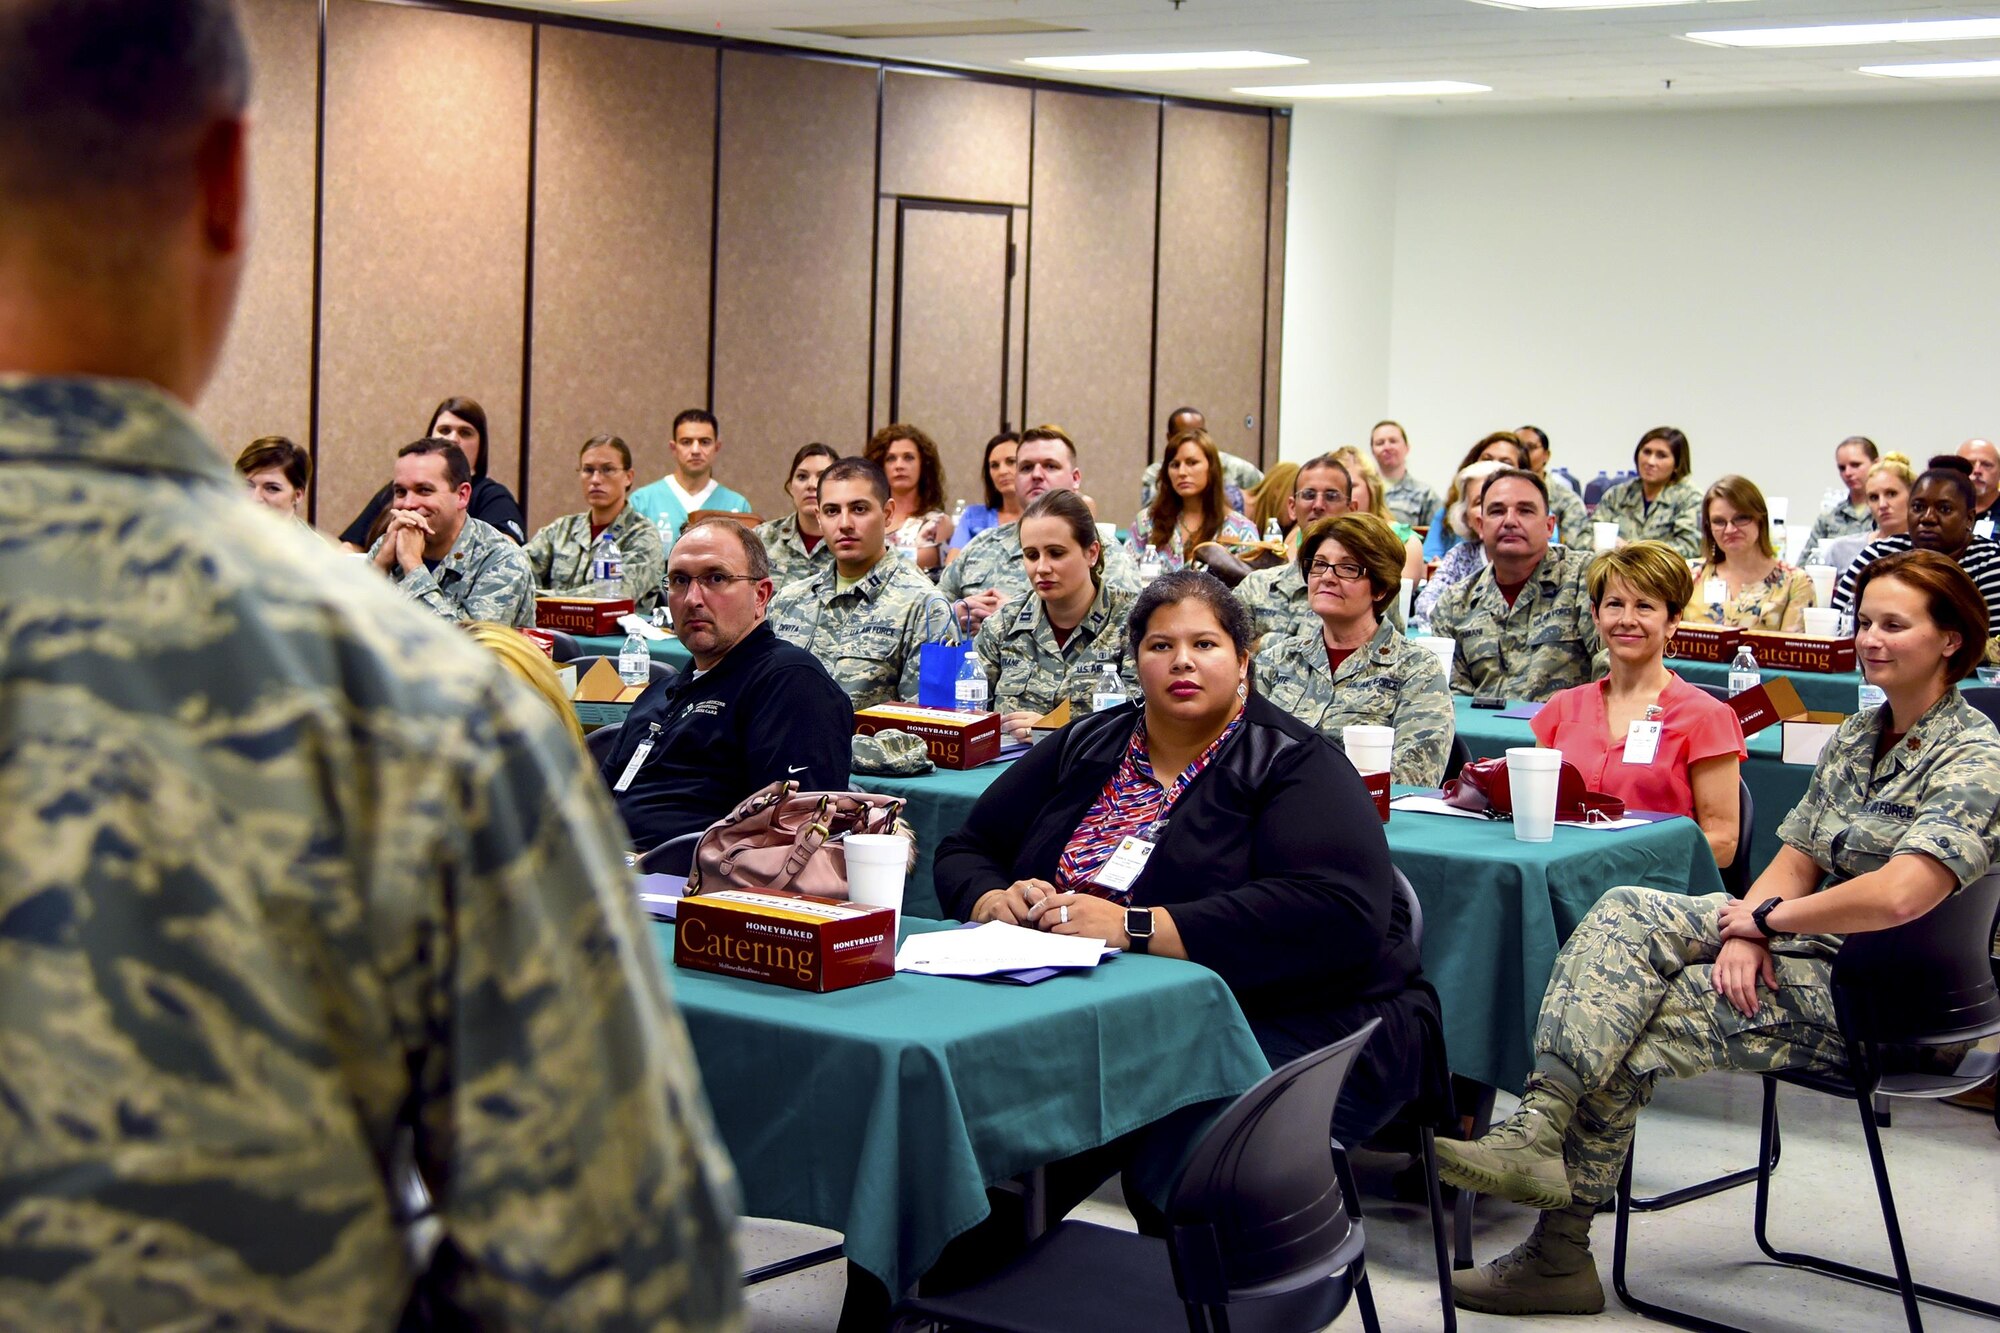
1731 524
593 470
1330 495
678 583
1345 570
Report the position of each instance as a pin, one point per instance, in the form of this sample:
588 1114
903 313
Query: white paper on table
995 947
646 629
1433 805
1607 824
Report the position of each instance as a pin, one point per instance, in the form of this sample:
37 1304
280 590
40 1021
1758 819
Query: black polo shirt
766 712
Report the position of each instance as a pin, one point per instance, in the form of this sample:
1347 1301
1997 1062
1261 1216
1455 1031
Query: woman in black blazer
1269 867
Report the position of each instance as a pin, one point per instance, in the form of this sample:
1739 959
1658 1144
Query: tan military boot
1521 1158
1551 1272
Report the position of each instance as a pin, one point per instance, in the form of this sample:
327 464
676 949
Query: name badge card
632 768
1715 590
1642 742
1983 528
1125 864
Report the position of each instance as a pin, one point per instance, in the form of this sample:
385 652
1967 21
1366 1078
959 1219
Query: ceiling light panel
1406 88
1957 69
1854 34
1164 62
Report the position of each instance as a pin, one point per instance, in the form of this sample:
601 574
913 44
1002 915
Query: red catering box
581 615
1705 643
786 939
955 739
1800 652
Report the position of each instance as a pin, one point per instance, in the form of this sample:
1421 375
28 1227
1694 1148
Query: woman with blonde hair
529 665
1887 491
1272 499
1367 495
1741 581
1188 504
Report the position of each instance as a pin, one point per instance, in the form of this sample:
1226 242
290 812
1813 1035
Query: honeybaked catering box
1800 652
786 939
1705 643
581 615
1776 703
955 740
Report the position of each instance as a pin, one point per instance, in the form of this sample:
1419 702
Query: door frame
905 204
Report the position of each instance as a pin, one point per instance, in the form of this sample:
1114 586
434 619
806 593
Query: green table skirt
936 804
1827 692
883 1112
668 650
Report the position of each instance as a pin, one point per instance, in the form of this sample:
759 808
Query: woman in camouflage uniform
1659 504
1898 816
793 542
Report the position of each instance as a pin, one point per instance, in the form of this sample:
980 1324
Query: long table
1823 691
668 650
884 1112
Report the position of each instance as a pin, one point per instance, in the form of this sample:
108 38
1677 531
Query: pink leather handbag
784 840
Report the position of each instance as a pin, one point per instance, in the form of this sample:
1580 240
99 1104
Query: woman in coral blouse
1643 734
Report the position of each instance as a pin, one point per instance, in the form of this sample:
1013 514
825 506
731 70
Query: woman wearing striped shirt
1941 507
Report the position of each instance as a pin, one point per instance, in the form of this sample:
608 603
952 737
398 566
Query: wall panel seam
528 269
318 250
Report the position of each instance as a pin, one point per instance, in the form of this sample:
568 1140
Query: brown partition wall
588 226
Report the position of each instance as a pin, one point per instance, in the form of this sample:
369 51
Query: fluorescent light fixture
1581 4
1958 69
1426 88
1164 62
1854 34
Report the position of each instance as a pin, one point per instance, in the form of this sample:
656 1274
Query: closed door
951 333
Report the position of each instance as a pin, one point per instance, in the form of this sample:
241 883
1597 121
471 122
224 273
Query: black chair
565 647
1457 759
1712 691
1930 982
656 670
601 742
1986 698
1264 1237
1736 875
672 857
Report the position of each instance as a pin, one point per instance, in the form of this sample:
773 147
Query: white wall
1769 281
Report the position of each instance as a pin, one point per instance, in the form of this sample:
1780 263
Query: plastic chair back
1736 875
565 648
1259 1210
1458 758
1927 982
602 742
1985 698
656 670
1409 897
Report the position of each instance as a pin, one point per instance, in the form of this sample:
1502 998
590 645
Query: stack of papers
996 947
644 628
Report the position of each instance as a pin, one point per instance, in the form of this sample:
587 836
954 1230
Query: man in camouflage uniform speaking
1523 623
868 617
457 566
288 872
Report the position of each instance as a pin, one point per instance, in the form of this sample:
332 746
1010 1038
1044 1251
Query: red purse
1482 786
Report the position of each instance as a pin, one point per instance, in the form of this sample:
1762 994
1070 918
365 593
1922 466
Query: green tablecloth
1829 692
884 1112
668 650
937 804
1775 786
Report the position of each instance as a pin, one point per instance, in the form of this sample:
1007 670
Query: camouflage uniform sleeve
1445 622
1616 506
930 621
1427 509
541 553
1685 533
504 590
987 643
421 587
562 1130
1957 823
951 580
1121 572
645 565
1424 722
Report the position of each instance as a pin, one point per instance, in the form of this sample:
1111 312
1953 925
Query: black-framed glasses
714 581
1340 569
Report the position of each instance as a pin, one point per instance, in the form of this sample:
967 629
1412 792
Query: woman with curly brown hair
1188 506
915 515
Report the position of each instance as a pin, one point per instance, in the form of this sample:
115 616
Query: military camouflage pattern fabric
1544 643
1630 1003
993 560
1843 520
1674 518
483 577
1411 501
1387 682
869 638
1460 563
287 869
1026 672
1566 511
1778 601
790 561
560 555
1277 603
891 752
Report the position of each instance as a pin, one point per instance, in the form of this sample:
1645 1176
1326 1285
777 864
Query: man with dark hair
1276 597
1523 623
294 874
691 486
441 556
1239 475
868 617
754 709
1571 520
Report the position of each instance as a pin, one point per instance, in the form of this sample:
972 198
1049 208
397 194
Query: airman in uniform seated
1523 623
1276 597
1054 645
294 873
868 617
1899 814
1355 668
1853 458
440 556
1408 500
1659 504
988 573
794 543
562 553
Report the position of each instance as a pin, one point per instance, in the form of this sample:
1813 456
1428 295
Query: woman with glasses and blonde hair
1741 581
568 554
1366 494
1357 669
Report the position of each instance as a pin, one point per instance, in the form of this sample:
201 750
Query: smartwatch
1139 928
1762 916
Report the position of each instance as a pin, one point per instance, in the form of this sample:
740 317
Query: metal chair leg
1482 1120
1435 1197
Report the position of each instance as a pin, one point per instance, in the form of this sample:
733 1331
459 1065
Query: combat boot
1521 1158
1551 1272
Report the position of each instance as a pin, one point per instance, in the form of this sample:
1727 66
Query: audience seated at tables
1268 862
1355 668
526 662
1741 581
463 422
989 572
1366 495
1536 441
1567 515
796 546
562 553
1240 476
1655 985
445 560
1276 597
1188 507
917 523
1407 500
1503 447
1852 458
1658 504
1523 623
1691 766
691 486
1053 646
1941 508
996 475
1888 494
1985 460
867 617
1467 558
753 710
277 472
1271 502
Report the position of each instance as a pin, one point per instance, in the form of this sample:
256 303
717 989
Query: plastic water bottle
1108 691
958 514
607 567
969 692
635 664
1150 566
1179 549
1743 673
1272 532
